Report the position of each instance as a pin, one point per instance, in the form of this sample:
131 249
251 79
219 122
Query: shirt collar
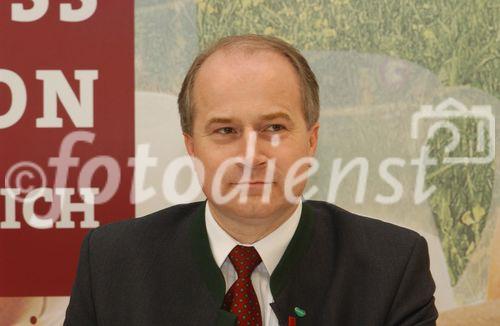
270 248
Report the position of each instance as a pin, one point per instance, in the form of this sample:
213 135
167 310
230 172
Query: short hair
252 42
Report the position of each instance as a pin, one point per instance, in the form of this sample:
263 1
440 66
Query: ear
313 138
188 142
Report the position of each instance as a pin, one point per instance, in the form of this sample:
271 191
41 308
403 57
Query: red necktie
241 298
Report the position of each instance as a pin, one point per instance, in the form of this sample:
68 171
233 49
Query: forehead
242 83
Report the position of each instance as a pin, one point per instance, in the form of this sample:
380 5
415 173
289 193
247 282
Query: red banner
66 135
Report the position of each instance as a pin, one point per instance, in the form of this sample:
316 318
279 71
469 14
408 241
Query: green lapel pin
299 312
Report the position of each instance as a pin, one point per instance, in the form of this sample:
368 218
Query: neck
249 230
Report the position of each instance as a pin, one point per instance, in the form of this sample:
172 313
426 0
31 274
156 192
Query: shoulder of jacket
370 229
164 220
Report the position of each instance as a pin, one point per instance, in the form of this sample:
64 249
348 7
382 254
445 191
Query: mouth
254 185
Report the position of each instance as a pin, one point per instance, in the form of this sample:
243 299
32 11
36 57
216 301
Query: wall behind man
378 63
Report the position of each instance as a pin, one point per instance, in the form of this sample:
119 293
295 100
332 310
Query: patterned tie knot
244 260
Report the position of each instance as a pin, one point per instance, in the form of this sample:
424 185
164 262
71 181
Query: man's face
238 94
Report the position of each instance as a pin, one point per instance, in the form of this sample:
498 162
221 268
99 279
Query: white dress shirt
270 249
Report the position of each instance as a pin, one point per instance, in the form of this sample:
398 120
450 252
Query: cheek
211 164
287 158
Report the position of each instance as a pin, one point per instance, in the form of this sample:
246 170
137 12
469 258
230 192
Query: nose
252 150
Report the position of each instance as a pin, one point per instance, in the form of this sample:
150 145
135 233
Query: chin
249 214
254 207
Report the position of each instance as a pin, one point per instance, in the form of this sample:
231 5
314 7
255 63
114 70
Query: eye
276 127
224 130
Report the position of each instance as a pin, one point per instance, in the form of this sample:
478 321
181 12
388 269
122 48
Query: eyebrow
272 116
265 117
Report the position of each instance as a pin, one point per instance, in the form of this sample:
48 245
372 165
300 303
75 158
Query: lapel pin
299 312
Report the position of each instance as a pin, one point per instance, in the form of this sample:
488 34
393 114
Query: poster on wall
66 136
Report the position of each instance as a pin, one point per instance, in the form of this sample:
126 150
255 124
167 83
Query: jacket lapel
286 287
225 318
286 280
208 268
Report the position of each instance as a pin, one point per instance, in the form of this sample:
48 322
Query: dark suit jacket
341 268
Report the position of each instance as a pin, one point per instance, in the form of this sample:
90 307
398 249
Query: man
253 253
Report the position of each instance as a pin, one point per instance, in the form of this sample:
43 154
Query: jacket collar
280 277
